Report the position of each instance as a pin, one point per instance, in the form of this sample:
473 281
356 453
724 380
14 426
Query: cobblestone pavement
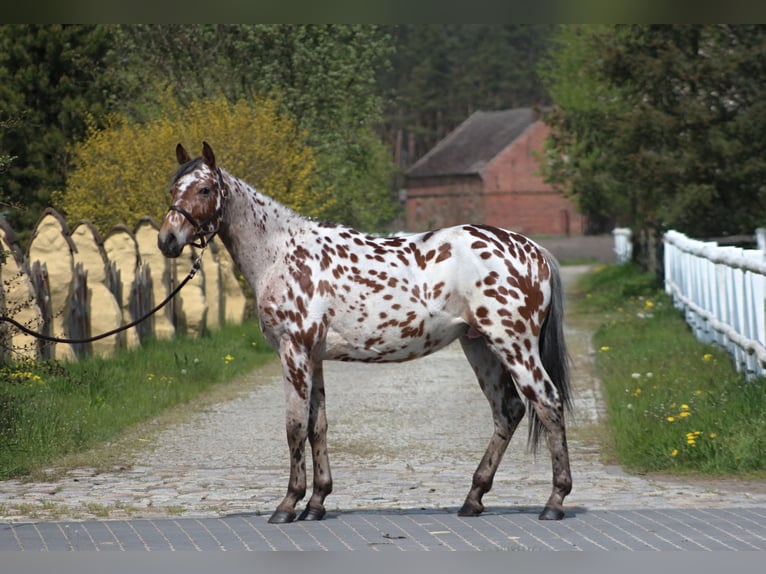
404 440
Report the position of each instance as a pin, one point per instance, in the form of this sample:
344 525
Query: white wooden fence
722 291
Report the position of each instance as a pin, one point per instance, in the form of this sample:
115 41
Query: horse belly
395 343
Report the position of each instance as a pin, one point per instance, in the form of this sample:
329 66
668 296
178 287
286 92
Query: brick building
485 171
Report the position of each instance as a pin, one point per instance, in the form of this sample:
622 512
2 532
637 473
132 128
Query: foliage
5 162
51 77
51 409
440 74
674 404
323 76
585 108
673 133
359 91
130 163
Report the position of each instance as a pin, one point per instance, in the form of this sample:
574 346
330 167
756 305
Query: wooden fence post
78 318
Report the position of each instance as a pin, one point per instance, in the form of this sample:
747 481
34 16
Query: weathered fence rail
71 283
722 292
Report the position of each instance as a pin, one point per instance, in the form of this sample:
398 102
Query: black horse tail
553 351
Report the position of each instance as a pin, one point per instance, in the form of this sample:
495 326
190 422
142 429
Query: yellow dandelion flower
684 407
671 419
675 452
691 442
707 357
649 304
697 392
684 414
604 348
228 358
712 435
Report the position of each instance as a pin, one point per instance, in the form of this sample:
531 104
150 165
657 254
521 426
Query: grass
53 410
674 404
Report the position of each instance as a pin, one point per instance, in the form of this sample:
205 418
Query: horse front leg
318 439
296 374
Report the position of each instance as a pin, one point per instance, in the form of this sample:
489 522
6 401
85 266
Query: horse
329 292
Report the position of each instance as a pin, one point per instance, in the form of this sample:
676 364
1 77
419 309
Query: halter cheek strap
199 228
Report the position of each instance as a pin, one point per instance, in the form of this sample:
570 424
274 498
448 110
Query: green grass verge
674 404
48 410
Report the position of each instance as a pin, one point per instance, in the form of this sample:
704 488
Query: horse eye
205 191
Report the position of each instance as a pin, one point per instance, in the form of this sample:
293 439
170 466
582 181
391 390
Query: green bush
130 164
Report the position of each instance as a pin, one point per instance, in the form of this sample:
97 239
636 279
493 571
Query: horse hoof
470 510
311 513
550 513
281 517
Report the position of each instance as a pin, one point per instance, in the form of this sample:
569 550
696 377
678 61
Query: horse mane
182 170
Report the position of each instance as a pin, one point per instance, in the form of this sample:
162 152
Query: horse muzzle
169 243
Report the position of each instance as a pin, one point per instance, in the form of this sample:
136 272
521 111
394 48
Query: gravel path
401 436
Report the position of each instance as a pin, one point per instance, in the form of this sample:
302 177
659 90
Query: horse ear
182 155
208 156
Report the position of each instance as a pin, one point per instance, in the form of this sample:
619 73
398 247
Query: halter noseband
199 228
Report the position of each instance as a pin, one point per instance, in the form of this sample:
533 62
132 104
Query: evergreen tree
52 77
440 74
673 135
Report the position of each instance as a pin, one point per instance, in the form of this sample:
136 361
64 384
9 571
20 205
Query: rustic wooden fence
722 292
73 284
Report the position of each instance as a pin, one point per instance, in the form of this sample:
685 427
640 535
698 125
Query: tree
579 150
323 76
440 74
673 136
121 171
5 162
51 78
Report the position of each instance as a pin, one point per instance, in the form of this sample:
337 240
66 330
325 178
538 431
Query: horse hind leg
507 411
317 434
534 382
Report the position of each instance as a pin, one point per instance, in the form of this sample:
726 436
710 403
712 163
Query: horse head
197 195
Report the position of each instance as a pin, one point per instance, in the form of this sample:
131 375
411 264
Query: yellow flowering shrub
122 171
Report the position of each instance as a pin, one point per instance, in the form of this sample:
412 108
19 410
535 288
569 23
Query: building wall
510 194
443 202
517 197
516 168
534 213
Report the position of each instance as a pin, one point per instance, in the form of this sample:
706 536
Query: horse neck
256 228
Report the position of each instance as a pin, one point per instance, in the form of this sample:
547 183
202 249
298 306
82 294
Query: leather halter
199 228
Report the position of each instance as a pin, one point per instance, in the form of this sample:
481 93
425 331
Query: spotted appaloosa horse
330 292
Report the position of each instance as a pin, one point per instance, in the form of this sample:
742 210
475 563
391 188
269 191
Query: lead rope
195 267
